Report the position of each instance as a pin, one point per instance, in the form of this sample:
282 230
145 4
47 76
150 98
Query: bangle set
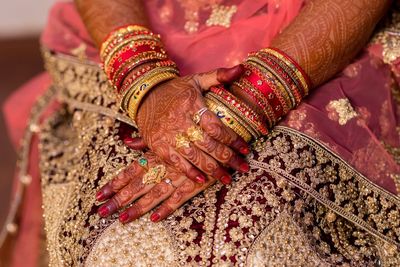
135 61
275 84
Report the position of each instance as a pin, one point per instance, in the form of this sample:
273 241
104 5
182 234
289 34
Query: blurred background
21 22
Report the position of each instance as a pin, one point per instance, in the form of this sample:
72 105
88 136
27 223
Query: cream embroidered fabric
300 205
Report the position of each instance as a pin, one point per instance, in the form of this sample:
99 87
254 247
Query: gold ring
154 175
198 114
182 141
195 134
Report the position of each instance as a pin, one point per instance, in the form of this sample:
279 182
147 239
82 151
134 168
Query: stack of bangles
135 61
273 81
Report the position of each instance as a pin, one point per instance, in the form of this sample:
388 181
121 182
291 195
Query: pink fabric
365 84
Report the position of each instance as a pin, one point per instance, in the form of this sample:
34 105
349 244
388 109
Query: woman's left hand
129 186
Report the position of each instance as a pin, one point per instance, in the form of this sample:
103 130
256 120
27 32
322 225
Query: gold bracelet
144 87
227 117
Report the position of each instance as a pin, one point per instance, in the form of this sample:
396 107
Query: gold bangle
227 117
147 85
141 84
252 127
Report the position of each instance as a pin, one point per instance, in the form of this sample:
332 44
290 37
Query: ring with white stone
198 114
169 181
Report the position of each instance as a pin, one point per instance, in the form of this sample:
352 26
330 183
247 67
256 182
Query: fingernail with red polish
200 179
123 217
103 211
244 150
128 140
155 217
244 167
100 196
226 179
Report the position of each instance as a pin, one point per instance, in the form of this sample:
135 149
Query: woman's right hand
165 122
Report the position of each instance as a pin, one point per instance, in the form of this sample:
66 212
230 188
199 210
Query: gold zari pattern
299 205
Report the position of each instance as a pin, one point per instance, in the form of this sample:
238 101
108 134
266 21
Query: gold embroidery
274 247
389 37
133 244
341 111
290 174
221 16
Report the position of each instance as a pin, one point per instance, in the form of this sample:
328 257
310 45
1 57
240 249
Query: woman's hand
138 182
166 124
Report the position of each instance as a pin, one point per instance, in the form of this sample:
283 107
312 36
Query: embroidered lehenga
322 189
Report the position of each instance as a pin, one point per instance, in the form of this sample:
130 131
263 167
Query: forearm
327 34
103 16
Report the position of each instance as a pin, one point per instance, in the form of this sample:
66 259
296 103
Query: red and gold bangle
128 39
270 87
277 72
288 61
259 99
241 109
134 62
286 75
119 32
143 70
127 53
227 117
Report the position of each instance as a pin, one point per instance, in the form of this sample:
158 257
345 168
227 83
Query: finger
120 181
182 194
221 153
151 199
136 187
204 162
176 160
222 75
217 130
136 143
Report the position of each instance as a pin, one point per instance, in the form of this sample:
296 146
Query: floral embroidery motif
341 111
221 16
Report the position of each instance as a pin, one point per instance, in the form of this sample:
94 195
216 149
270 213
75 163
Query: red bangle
281 73
128 52
126 84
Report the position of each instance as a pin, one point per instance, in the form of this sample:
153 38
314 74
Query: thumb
219 76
